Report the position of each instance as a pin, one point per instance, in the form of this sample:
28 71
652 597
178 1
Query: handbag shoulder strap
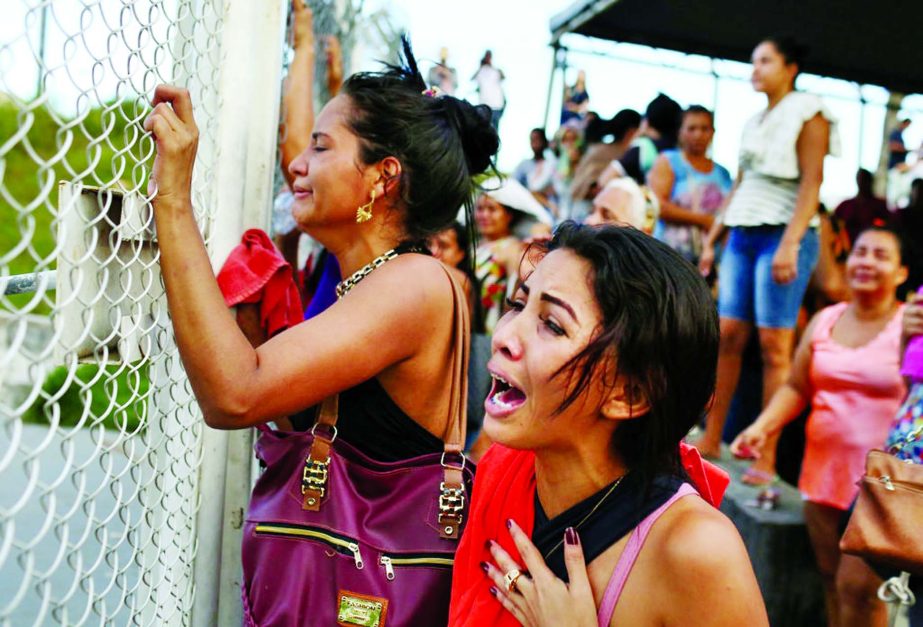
452 490
451 502
454 437
458 401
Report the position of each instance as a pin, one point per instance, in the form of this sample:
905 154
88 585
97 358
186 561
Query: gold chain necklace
587 517
349 283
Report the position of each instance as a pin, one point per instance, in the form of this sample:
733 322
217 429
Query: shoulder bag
887 523
333 537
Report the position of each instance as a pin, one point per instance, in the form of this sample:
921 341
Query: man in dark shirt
910 223
897 151
862 211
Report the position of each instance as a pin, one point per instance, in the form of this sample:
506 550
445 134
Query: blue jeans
495 115
746 289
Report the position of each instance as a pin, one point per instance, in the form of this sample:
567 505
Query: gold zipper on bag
893 484
390 561
341 543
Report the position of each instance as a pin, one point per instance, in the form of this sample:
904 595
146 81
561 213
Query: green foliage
114 396
99 148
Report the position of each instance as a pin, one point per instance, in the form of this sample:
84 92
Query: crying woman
584 511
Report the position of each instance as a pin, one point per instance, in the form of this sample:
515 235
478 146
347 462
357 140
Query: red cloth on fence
504 488
255 272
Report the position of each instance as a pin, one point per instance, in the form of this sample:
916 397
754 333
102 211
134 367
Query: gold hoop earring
364 212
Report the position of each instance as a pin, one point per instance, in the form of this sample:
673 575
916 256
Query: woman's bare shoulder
414 291
414 277
698 534
710 572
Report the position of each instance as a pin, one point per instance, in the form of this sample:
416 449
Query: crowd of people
610 285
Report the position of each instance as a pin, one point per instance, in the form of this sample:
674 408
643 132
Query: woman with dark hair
658 132
691 187
604 361
489 80
497 257
502 209
910 222
847 368
773 244
451 246
576 100
388 165
537 172
622 127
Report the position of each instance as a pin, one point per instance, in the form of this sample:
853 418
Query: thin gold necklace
587 517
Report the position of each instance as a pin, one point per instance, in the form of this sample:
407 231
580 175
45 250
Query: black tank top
372 422
627 505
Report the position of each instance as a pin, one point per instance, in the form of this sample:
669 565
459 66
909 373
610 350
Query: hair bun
480 141
791 48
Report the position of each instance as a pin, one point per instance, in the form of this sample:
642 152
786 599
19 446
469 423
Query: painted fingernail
509 523
485 567
570 536
489 545
494 591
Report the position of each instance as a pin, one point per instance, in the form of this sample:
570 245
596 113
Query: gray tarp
879 43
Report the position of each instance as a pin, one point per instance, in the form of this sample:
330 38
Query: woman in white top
772 248
490 88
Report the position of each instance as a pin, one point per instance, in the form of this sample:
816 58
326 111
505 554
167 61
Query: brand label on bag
361 609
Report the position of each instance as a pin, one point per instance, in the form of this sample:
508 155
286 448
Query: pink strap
828 318
630 555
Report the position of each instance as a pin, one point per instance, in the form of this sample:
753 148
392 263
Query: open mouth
504 397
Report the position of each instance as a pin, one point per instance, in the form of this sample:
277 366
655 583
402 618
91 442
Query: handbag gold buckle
314 476
451 500
451 508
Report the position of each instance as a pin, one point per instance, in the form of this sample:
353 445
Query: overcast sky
517 31
518 34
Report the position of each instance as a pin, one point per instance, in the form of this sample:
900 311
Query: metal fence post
246 135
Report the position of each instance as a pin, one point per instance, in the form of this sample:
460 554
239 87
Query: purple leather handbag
333 537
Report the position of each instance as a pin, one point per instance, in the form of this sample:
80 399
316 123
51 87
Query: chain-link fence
117 505
101 443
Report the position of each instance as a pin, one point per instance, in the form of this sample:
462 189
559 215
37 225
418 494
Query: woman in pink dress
847 367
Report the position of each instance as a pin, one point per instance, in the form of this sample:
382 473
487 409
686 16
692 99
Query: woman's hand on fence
334 57
537 597
176 136
302 25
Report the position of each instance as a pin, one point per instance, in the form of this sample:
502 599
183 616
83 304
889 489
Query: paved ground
97 525
57 524
779 549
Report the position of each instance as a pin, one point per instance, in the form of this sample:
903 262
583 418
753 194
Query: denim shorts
746 289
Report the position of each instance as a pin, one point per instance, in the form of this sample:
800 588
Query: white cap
511 193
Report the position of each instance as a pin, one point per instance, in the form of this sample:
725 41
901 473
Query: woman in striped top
772 248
